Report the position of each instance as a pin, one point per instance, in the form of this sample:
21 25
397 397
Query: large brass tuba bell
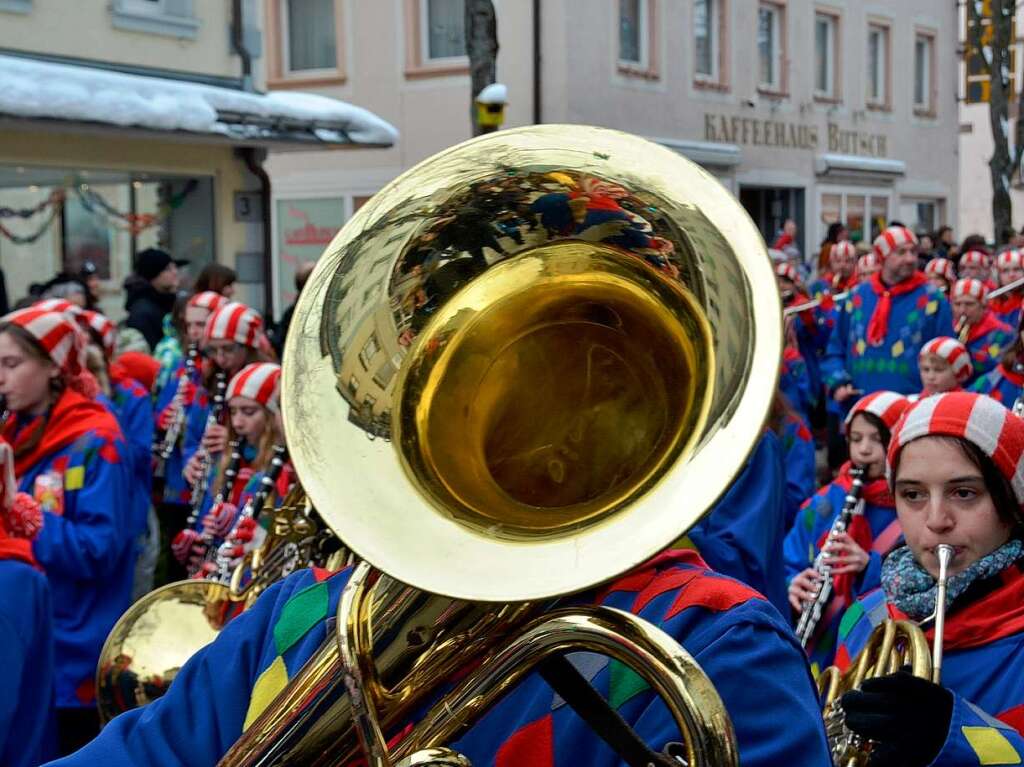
524 367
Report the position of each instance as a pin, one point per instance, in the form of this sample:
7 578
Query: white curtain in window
703 24
921 72
629 30
822 54
311 35
766 44
446 28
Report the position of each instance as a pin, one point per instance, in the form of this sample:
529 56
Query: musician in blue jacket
71 457
855 556
723 624
881 327
955 463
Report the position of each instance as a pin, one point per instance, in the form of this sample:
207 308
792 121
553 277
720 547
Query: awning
66 94
863 167
705 153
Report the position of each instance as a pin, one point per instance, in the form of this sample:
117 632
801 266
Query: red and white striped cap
1010 258
788 271
941 267
886 405
892 238
102 326
208 299
867 262
953 352
975 418
970 288
843 248
56 332
260 381
974 258
57 305
234 322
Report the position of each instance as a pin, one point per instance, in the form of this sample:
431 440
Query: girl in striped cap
984 336
941 273
945 365
956 468
1009 268
976 265
71 457
842 271
254 423
856 555
1005 383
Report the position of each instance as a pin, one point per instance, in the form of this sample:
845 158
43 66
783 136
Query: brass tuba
524 367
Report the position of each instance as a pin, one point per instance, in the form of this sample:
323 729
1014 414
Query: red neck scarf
36 437
1017 379
878 326
876 492
16 548
987 325
997 614
842 285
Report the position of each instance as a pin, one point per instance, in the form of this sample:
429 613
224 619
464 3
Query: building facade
126 124
823 112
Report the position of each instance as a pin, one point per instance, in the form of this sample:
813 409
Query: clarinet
205 541
812 612
206 462
251 509
163 446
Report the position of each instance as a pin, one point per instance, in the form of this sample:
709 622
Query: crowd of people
129 456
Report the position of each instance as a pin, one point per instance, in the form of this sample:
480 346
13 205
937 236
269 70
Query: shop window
826 70
16 6
708 42
172 18
435 39
877 96
920 215
770 47
924 68
353 385
384 374
304 42
864 214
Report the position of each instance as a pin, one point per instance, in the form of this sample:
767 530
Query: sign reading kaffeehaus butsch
752 131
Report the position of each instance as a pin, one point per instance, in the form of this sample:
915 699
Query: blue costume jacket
915 318
798 459
1001 385
176 490
986 343
85 545
26 657
801 547
742 535
721 623
983 664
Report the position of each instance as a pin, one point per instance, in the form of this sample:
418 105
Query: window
444 29
706 38
172 18
309 35
769 47
878 66
632 23
864 214
825 27
370 348
924 48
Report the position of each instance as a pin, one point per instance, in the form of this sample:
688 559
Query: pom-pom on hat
208 299
888 406
941 267
969 288
975 418
259 381
787 271
953 352
974 258
234 322
892 238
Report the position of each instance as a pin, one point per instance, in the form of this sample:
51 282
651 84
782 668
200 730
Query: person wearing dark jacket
277 337
151 290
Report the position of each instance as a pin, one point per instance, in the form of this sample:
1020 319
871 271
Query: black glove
908 717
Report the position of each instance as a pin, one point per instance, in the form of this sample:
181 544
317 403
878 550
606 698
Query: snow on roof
41 89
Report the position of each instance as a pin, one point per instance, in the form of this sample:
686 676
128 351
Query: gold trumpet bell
531 362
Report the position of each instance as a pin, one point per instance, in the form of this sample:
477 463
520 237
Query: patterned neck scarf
910 587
